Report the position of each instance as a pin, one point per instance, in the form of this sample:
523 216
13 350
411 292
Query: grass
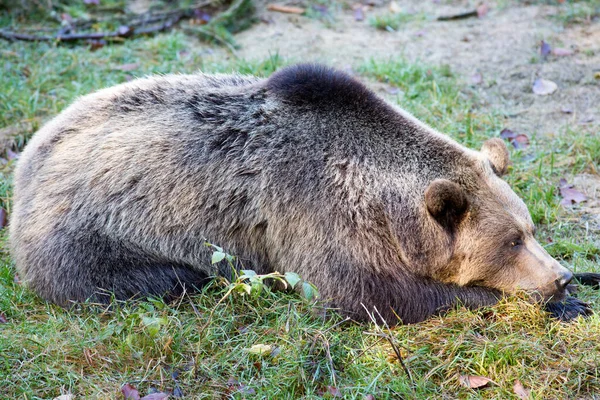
392 22
578 12
202 347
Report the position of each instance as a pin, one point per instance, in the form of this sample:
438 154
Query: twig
463 15
133 27
329 358
72 37
389 338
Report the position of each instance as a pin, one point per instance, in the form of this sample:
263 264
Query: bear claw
569 309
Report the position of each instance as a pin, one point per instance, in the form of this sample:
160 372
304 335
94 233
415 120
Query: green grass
393 22
200 345
578 12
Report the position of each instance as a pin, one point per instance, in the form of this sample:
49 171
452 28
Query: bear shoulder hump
316 84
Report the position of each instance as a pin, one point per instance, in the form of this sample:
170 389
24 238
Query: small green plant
253 284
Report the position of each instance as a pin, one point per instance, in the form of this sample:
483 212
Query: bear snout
564 280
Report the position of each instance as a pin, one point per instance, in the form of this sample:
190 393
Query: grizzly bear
306 171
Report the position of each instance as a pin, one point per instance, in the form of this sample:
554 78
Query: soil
503 47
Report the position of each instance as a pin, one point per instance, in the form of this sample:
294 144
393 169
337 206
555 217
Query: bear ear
446 202
495 150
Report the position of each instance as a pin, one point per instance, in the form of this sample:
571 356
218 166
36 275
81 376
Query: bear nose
564 280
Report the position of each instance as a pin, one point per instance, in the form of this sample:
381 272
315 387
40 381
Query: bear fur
306 171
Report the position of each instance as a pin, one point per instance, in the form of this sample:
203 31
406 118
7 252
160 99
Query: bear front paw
588 279
568 309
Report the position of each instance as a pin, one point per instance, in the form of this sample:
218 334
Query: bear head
491 231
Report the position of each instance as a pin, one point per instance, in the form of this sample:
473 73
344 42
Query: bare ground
503 47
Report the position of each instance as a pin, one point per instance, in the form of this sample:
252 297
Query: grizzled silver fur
307 171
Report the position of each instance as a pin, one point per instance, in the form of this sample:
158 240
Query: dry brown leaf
562 52
569 194
473 381
3 218
520 141
285 9
520 391
155 396
482 10
545 49
335 392
544 87
359 12
130 392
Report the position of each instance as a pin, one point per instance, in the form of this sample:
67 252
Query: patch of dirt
503 47
589 185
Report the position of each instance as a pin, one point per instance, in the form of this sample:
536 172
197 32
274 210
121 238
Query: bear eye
516 243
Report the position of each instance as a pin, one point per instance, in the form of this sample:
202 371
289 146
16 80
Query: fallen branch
149 23
123 32
285 9
463 15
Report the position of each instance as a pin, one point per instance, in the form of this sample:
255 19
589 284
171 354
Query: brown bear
307 171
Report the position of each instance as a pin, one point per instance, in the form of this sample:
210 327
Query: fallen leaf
97 44
127 67
3 319
125 31
545 49
369 397
392 89
520 141
130 392
246 389
566 110
358 12
285 9
482 10
260 349
3 218
544 87
201 17
569 194
335 392
321 9
11 155
477 78
520 391
177 392
155 396
474 382
507 134
562 52
597 75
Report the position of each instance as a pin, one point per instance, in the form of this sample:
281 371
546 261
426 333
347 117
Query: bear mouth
551 295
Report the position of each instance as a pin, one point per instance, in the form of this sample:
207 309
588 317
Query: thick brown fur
307 171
